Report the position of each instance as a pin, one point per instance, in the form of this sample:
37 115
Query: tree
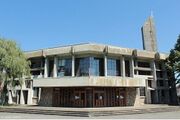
173 67
13 66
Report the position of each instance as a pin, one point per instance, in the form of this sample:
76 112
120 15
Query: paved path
164 115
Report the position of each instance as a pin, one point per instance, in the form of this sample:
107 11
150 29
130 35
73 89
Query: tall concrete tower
149 35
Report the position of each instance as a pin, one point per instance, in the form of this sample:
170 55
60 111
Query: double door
99 99
119 98
79 99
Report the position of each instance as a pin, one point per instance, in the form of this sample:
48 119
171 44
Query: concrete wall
90 48
89 81
46 97
130 96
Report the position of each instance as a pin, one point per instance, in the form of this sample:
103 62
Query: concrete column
153 67
21 98
41 72
73 66
29 98
17 98
30 94
122 66
136 65
39 94
105 65
132 67
46 68
137 99
10 97
55 67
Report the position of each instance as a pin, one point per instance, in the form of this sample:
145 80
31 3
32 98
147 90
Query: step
89 113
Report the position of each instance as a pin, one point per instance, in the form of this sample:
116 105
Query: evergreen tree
173 67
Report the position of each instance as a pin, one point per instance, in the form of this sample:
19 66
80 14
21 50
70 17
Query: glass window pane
64 67
113 67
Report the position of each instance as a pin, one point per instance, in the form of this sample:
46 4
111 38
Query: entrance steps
89 112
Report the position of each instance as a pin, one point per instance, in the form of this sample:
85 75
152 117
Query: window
144 64
97 66
35 92
64 67
142 91
113 67
82 66
158 65
36 63
28 83
159 74
89 66
162 93
160 83
127 68
144 72
149 83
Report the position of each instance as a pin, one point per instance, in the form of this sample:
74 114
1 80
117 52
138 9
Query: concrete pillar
39 94
105 65
30 94
153 67
10 97
41 72
46 68
17 99
73 66
132 67
137 99
55 67
22 98
122 66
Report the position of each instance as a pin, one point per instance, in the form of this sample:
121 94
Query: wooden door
79 99
99 98
120 98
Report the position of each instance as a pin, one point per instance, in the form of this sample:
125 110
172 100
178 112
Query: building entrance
89 97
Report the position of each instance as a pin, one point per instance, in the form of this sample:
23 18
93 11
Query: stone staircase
133 111
87 113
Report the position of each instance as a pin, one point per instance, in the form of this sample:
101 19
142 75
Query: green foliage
173 61
13 64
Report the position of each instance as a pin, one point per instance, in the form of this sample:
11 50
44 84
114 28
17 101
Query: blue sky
36 24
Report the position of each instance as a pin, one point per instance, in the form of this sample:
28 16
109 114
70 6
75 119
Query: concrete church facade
96 75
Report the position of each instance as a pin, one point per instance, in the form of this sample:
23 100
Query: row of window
90 66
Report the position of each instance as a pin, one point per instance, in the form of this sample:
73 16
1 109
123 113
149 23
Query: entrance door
79 99
99 99
119 98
